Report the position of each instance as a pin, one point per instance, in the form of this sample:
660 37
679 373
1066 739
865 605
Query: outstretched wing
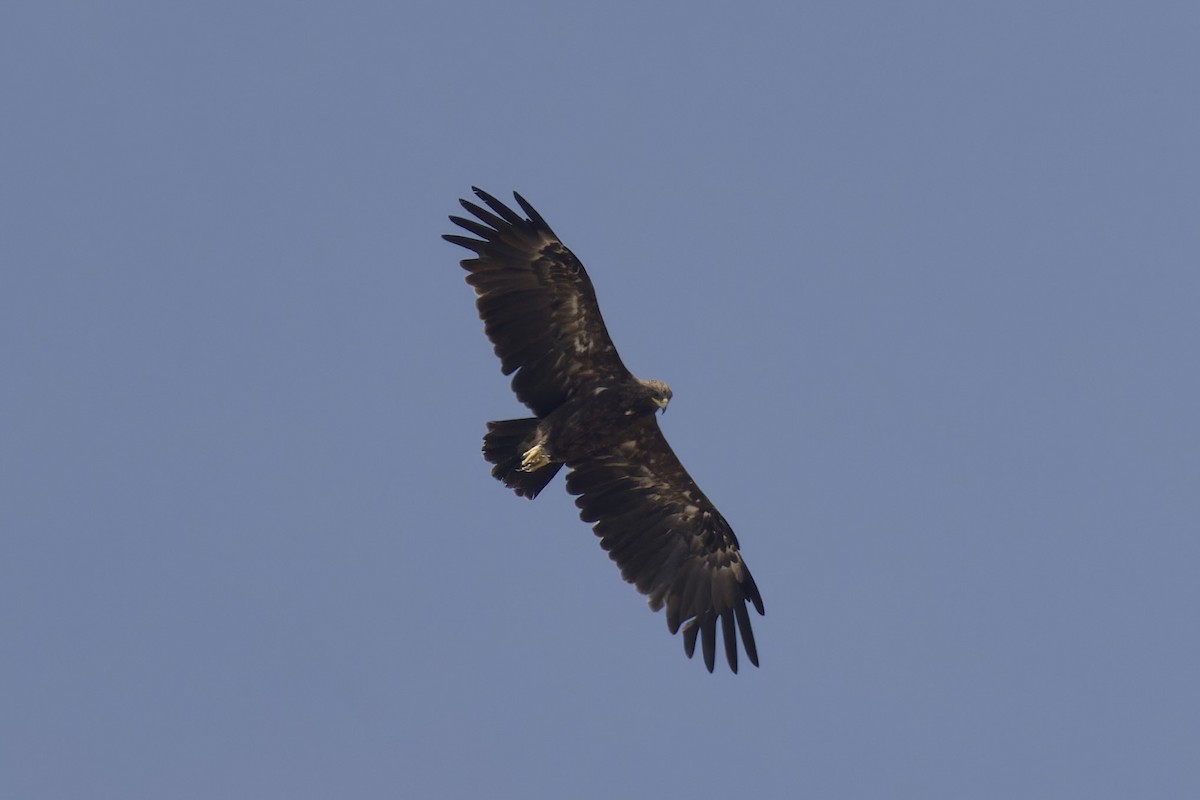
669 540
537 304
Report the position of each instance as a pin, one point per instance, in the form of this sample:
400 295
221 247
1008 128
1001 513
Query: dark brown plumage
539 310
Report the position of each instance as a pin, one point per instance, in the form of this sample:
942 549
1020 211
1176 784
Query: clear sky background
924 278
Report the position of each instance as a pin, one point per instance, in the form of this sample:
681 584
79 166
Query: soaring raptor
591 414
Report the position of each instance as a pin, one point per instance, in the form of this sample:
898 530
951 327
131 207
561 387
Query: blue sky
924 278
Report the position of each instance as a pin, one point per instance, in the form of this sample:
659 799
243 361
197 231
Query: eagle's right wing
537 304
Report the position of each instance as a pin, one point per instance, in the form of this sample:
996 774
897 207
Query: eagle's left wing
668 539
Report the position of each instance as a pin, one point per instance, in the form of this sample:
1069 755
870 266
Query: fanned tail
504 444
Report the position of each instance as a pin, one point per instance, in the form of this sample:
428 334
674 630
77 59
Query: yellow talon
534 459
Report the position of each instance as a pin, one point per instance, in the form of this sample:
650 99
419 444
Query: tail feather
504 445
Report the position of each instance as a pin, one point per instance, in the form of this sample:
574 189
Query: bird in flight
593 416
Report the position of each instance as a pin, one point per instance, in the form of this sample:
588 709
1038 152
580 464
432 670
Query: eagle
593 416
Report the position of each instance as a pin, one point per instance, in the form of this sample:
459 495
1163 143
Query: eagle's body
592 415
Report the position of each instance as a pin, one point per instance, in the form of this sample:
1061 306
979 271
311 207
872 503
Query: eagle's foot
534 459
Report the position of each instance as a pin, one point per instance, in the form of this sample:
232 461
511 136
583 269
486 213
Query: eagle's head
659 393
